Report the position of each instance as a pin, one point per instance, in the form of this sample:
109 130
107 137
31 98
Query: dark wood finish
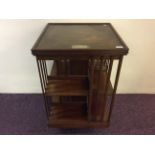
71 116
67 87
66 69
78 92
95 39
100 88
115 88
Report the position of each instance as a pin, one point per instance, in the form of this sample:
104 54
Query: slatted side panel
110 100
63 67
99 77
42 68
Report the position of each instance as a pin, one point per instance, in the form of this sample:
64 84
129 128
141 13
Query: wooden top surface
79 38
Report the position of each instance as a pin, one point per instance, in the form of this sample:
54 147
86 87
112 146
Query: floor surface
24 114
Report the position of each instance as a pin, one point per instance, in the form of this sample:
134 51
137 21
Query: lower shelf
72 116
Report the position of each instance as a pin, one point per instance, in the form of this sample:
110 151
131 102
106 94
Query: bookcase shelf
71 116
67 87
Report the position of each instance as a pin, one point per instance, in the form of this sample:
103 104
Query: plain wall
18 69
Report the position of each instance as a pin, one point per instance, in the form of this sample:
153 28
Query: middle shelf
68 87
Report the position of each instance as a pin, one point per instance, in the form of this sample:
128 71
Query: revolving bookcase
75 62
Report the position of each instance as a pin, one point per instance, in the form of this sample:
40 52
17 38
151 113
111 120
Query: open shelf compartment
67 87
71 115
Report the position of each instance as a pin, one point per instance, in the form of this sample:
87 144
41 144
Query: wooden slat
67 77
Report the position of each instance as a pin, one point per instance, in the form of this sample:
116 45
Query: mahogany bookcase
77 89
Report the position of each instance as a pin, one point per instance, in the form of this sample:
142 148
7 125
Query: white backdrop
18 69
